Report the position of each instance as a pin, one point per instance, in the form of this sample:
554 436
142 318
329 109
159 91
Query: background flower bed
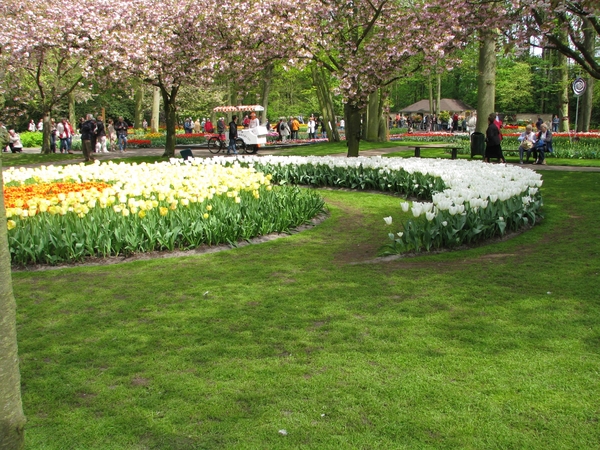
565 145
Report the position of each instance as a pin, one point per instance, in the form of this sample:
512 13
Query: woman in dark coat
492 141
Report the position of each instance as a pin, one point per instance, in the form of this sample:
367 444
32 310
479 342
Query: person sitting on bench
527 140
543 144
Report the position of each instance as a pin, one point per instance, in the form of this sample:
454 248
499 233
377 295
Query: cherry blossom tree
566 25
167 44
51 47
366 44
571 28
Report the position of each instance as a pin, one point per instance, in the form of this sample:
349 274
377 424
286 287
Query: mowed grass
491 347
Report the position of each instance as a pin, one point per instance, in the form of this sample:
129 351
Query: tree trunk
353 128
438 97
154 122
586 106
72 114
486 81
588 96
430 86
383 132
320 80
563 93
171 119
373 116
46 134
266 89
12 419
138 99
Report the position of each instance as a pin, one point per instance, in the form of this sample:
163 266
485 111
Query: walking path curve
203 152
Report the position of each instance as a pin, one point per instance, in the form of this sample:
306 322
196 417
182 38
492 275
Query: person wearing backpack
233 134
121 130
100 137
88 130
208 126
284 129
295 128
221 128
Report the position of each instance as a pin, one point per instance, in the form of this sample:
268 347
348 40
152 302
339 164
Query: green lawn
491 347
20 159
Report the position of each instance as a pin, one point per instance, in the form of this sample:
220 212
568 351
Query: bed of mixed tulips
68 213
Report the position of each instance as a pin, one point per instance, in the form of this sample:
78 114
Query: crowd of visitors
98 138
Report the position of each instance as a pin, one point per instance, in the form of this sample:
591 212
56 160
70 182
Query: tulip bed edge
463 201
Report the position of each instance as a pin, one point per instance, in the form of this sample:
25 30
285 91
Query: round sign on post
579 86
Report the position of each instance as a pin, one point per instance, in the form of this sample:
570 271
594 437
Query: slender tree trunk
588 96
486 81
563 94
586 106
438 99
266 90
72 114
138 100
321 83
384 116
430 86
171 119
12 419
154 122
352 116
46 133
373 116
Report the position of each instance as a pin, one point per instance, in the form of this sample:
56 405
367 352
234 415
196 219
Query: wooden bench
515 151
453 149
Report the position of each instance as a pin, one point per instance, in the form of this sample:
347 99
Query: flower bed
139 143
68 213
468 200
182 205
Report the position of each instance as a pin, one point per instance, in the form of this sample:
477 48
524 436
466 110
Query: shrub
31 139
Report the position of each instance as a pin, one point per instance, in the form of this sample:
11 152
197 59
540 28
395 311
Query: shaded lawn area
495 346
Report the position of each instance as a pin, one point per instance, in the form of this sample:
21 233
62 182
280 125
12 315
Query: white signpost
579 87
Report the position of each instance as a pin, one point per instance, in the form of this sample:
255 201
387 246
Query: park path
203 152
